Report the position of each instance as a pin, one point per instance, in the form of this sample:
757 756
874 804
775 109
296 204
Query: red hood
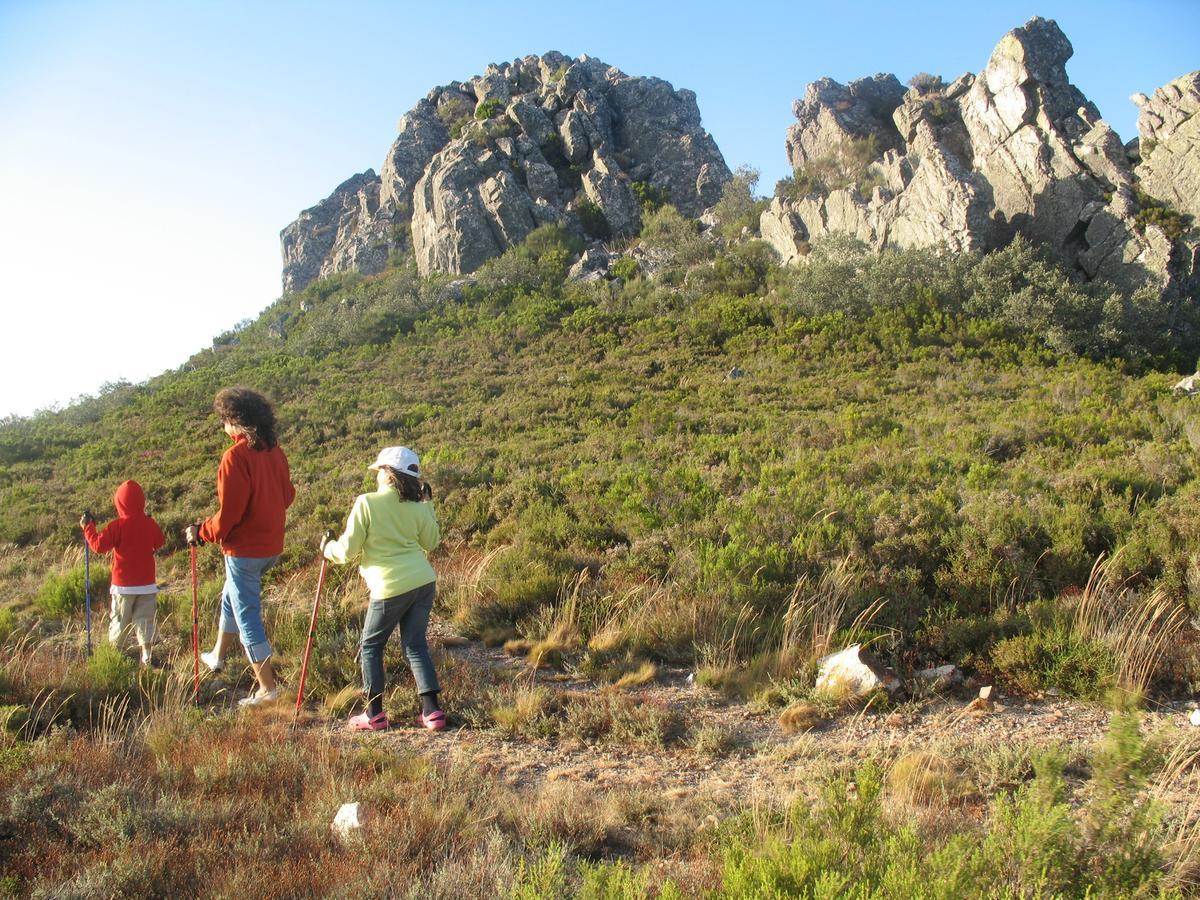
130 500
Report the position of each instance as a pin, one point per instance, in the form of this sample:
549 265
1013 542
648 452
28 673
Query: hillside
674 469
640 478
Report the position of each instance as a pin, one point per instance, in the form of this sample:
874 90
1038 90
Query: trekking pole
312 631
87 587
195 632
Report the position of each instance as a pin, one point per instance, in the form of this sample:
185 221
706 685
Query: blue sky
151 151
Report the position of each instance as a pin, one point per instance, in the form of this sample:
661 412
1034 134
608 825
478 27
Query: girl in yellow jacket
390 532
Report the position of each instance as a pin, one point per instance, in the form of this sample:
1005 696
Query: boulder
467 190
856 672
421 135
607 187
593 261
468 207
784 230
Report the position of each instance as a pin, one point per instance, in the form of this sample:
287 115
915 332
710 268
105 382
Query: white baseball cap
401 459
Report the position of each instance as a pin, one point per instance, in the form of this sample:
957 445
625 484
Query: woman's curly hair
406 486
250 413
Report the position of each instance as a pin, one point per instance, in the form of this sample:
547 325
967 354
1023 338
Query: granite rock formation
477 165
1014 149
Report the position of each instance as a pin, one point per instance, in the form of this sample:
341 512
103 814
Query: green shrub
455 114
625 268
1173 223
650 198
592 218
488 108
924 83
675 238
8 624
1053 656
738 209
1119 826
110 671
850 166
13 718
63 594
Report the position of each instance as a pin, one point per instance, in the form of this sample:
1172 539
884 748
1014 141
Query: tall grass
1177 787
1137 628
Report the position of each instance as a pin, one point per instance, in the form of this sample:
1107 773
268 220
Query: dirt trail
763 761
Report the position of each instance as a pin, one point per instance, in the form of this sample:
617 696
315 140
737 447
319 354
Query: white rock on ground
1189 385
941 676
350 818
856 670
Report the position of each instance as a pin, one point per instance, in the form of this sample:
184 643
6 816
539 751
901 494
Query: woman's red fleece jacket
254 490
133 537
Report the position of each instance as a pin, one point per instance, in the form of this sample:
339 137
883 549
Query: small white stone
1194 718
350 818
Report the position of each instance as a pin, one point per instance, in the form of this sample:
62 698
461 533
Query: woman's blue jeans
410 611
241 603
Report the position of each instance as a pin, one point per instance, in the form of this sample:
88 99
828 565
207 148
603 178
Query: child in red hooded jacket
132 537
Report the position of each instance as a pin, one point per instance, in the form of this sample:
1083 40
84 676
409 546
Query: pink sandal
363 722
435 721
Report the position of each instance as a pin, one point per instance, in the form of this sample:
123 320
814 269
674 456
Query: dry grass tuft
645 673
803 716
341 703
1138 629
518 647
923 778
1177 786
522 712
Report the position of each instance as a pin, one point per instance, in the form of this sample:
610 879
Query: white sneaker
259 697
214 662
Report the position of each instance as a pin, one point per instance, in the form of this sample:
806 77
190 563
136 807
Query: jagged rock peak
1015 150
477 165
833 113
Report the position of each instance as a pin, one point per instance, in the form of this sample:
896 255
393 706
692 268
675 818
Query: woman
390 532
254 490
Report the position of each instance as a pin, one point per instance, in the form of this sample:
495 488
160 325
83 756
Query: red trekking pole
312 631
195 632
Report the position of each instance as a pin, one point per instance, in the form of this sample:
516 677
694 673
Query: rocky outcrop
344 231
1169 138
477 165
1016 149
832 114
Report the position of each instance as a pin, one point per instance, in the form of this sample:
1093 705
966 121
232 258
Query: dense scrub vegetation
710 461
968 434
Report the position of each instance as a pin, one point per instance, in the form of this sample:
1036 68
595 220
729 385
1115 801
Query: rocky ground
760 760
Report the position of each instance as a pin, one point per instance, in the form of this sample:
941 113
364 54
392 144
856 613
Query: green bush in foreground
850 844
63 594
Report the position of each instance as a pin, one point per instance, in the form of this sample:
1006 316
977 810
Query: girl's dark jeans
410 611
